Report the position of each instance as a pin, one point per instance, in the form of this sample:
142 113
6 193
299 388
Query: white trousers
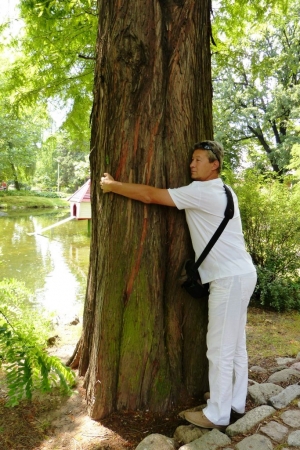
226 346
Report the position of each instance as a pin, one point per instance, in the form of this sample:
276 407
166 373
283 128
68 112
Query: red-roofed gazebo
80 202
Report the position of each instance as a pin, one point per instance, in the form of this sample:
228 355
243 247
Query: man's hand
105 183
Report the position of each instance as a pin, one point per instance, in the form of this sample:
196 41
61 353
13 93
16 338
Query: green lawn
30 201
271 334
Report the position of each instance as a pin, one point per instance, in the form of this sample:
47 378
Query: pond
53 265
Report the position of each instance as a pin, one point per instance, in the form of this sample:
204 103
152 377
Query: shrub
270 212
32 193
50 194
23 333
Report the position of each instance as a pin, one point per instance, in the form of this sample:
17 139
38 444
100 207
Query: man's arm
140 192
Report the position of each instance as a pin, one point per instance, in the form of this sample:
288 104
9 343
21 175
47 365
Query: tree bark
15 176
143 341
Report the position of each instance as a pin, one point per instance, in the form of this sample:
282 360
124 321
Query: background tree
20 141
295 160
56 52
143 343
63 162
52 64
256 87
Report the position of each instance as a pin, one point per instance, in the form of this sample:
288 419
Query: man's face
201 168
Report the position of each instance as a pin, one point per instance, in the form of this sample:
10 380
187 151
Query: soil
52 422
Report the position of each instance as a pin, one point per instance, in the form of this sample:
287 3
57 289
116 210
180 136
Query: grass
271 334
30 201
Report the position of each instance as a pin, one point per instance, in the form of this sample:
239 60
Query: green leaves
257 84
22 341
51 63
56 33
20 140
270 212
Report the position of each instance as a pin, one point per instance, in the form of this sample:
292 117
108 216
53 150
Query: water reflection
53 265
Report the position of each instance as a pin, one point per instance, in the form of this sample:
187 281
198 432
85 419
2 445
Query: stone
277 369
255 442
275 431
282 361
212 440
298 357
261 393
53 340
285 397
258 369
155 441
296 366
291 418
75 320
294 438
250 419
188 433
284 376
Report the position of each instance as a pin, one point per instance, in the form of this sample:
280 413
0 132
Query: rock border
274 420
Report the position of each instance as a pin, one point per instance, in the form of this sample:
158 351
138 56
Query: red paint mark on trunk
136 135
123 158
151 150
137 264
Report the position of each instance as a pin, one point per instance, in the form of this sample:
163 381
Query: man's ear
216 164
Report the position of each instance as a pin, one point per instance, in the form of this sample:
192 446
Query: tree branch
80 55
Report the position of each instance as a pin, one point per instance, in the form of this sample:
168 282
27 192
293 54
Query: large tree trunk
143 342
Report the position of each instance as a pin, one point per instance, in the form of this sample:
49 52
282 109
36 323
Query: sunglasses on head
205 146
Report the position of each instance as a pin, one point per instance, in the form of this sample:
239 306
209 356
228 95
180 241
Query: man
228 269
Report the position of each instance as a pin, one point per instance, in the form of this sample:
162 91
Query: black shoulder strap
228 214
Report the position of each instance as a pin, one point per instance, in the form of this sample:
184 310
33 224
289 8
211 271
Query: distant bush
23 334
49 194
15 193
26 193
270 212
25 187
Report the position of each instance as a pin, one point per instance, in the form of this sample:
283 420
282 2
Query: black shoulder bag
190 278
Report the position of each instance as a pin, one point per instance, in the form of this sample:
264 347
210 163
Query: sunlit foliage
257 82
27 365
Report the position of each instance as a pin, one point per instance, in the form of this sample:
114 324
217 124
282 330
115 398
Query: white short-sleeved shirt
204 203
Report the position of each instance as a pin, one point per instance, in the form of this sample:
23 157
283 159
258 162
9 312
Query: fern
27 365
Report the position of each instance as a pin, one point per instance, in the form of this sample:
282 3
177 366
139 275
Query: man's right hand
106 182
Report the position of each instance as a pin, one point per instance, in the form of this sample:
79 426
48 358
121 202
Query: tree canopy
57 53
257 85
255 64
20 141
51 65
